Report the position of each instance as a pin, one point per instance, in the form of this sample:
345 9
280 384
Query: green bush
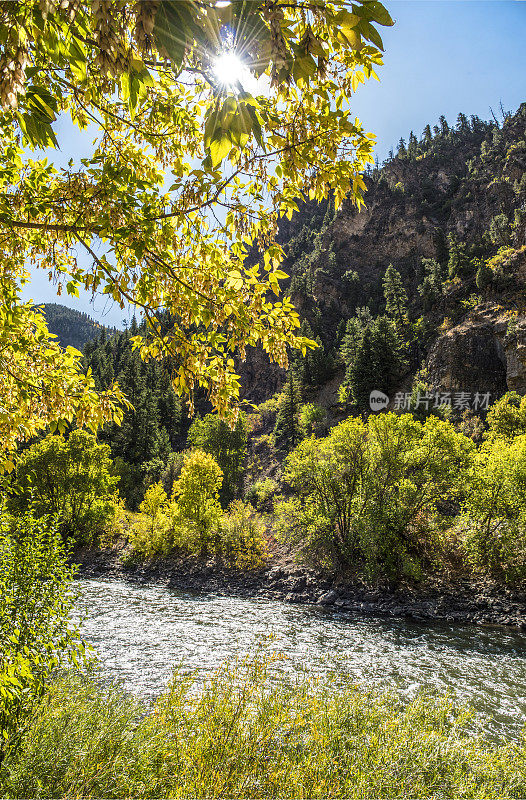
192 522
507 417
36 636
151 532
365 494
242 535
261 492
69 479
196 496
241 736
312 418
495 507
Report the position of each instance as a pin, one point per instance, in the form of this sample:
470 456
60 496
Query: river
139 632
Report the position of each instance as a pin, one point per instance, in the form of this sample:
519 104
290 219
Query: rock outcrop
485 352
451 190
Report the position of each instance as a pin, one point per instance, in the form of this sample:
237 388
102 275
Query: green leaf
72 288
256 126
304 68
378 13
370 32
219 148
173 28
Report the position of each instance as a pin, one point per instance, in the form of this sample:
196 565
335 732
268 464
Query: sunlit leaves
174 28
187 178
39 382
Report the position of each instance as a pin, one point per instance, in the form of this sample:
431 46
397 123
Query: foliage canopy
69 479
187 175
363 491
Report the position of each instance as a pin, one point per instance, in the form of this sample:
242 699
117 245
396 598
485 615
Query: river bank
481 602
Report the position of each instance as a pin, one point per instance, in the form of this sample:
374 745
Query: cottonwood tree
211 120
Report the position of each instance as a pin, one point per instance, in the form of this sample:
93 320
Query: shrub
269 408
240 737
363 491
196 495
261 492
507 417
242 536
69 479
117 527
495 508
312 418
150 534
36 635
484 276
470 424
172 471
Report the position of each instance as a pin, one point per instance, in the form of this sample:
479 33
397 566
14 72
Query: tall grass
239 736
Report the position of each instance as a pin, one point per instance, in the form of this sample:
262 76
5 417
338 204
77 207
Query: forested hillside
71 327
448 212
152 429
417 303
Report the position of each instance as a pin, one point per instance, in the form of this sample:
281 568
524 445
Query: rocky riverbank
462 601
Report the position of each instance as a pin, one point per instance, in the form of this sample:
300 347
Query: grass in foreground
235 738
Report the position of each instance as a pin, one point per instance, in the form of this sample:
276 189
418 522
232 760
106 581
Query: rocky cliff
461 188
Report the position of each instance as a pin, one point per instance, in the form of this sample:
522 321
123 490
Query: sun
229 69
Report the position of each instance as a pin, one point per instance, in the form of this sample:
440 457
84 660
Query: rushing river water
140 632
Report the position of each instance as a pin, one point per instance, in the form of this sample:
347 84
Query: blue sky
442 57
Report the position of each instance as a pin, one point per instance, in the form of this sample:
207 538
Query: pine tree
390 354
460 263
363 374
379 363
354 333
340 331
427 135
499 230
431 288
395 297
287 430
462 123
402 152
454 261
444 127
412 147
227 445
152 427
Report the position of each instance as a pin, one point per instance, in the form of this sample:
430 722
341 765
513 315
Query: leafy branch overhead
187 173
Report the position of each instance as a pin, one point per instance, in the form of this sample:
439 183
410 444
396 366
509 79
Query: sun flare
229 69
